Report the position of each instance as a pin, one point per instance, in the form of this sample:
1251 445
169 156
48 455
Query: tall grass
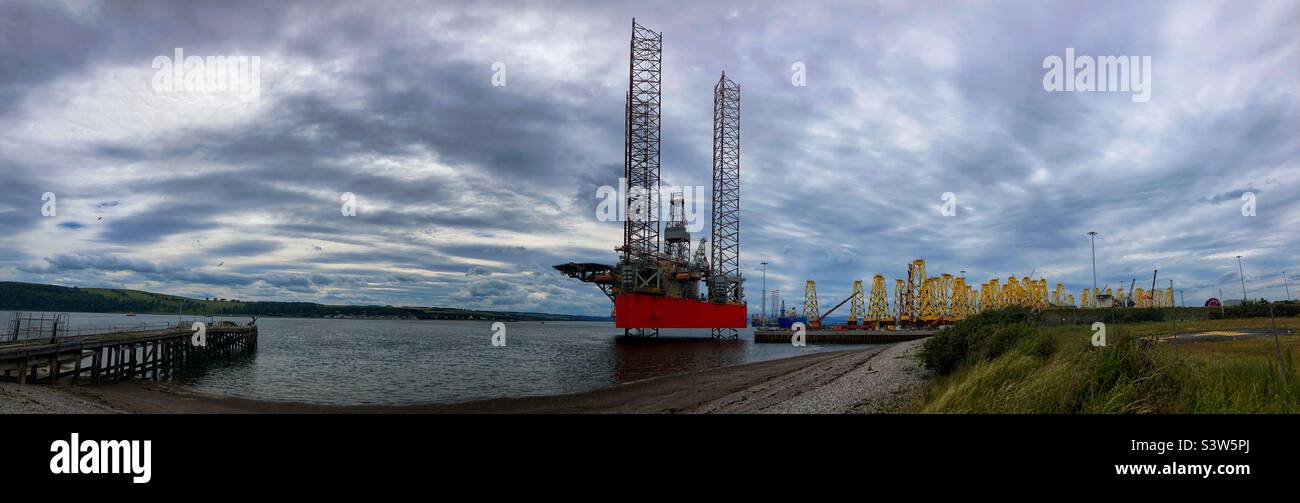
998 362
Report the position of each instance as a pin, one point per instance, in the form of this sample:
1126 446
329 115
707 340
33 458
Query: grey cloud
62 263
842 177
1232 195
246 248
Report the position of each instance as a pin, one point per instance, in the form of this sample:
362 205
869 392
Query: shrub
980 337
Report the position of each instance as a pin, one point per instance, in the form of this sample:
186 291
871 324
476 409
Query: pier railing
47 330
52 326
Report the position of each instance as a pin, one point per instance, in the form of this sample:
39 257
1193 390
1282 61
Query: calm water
393 362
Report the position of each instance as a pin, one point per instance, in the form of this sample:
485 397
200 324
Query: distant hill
16 296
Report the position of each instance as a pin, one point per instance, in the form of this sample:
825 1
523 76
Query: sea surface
353 362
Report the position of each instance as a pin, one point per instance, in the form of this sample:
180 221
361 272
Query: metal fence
50 326
23 326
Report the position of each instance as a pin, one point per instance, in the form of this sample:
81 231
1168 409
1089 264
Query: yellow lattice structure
878 309
857 304
1009 296
900 301
915 280
945 297
961 300
931 309
991 295
929 301
810 309
1040 294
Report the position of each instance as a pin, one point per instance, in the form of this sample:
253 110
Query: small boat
130 313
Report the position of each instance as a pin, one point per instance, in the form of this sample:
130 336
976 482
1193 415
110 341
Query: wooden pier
156 354
831 336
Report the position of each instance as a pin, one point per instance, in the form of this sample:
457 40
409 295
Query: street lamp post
1241 274
1093 235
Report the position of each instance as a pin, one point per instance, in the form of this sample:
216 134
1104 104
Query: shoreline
866 380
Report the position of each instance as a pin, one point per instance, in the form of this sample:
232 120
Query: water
409 361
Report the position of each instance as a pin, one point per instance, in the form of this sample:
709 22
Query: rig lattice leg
644 333
726 334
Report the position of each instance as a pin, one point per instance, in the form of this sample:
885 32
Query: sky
474 137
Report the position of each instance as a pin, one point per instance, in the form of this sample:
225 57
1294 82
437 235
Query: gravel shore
871 380
36 399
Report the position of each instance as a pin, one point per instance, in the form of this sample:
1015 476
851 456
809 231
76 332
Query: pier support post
76 367
117 362
94 367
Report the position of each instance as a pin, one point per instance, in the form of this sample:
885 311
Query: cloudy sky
468 192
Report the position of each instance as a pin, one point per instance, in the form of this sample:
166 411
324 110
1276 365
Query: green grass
1002 364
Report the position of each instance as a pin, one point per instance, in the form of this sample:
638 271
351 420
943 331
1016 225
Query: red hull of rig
634 310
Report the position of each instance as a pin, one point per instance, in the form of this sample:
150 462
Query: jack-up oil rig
653 288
